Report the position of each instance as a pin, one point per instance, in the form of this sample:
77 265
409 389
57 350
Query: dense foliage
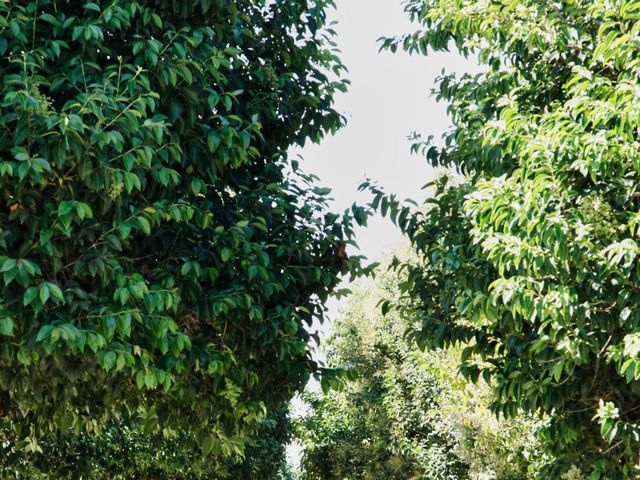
158 262
409 415
531 258
123 452
266 457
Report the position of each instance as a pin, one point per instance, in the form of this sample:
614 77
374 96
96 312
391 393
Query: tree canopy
159 254
530 257
409 414
123 452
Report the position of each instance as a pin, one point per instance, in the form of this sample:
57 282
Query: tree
409 414
159 254
531 259
108 455
266 457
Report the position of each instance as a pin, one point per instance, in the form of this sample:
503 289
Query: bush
531 259
158 263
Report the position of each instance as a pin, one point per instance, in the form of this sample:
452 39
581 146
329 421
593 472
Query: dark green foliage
266 457
157 262
531 258
124 453
118 453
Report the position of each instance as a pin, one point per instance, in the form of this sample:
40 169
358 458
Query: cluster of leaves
109 456
409 414
531 258
266 457
158 263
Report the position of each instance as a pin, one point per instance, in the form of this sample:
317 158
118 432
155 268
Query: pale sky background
389 98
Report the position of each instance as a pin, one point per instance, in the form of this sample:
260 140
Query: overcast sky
388 100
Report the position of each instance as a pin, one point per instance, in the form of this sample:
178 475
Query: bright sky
388 100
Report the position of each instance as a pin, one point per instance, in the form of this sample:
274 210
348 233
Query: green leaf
140 379
44 332
8 264
386 306
6 326
124 325
150 380
29 296
226 254
55 291
92 6
108 360
253 271
44 293
144 225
